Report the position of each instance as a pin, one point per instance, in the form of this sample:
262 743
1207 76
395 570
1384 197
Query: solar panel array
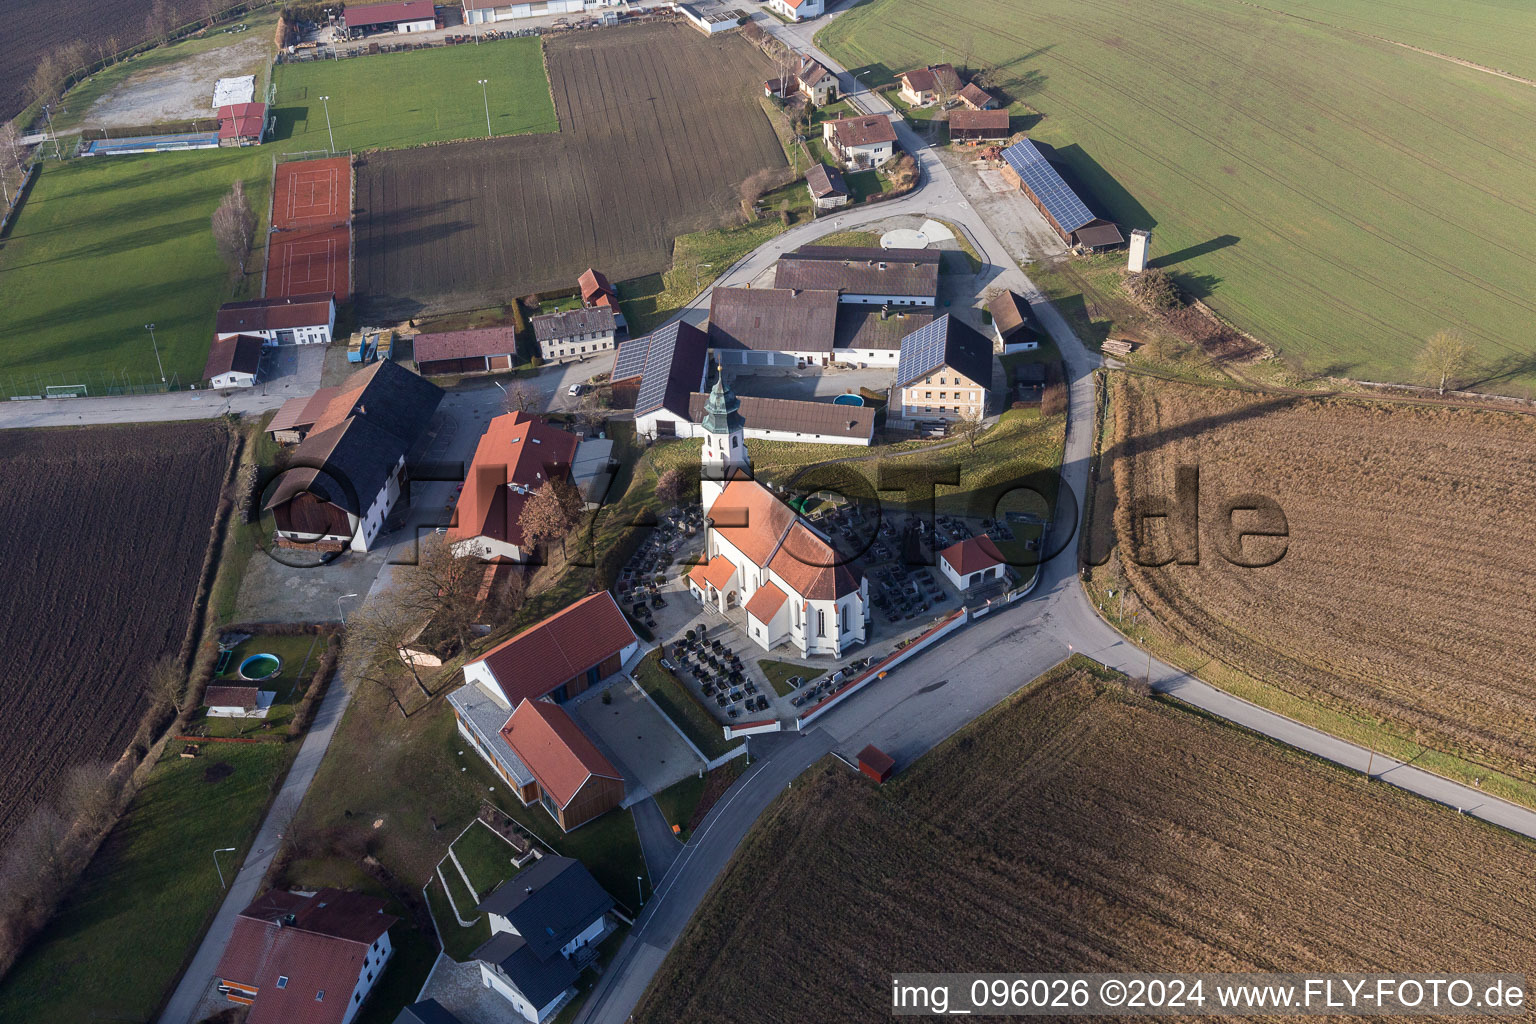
658 370
1041 178
922 351
630 361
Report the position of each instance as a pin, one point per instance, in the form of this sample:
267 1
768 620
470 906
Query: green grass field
397 100
1339 196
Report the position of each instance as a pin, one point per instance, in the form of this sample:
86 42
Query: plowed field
103 532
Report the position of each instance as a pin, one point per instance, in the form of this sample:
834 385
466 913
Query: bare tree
507 596
669 488
552 511
1442 359
159 21
47 78
386 674
591 412
971 426
163 685
91 794
234 228
387 625
211 9
444 587
520 397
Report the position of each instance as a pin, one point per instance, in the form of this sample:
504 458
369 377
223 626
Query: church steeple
725 440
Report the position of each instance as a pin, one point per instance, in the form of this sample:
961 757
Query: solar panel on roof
658 369
1047 186
630 361
922 351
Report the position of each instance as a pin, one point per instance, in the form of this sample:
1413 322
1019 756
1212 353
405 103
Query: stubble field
105 533
658 127
1337 194
1402 604
1080 828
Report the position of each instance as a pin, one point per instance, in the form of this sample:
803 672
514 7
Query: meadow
399 100
1338 195
1080 827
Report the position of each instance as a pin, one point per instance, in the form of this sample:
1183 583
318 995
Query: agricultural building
972 562
764 566
876 763
924 87
546 925
291 320
575 334
798 10
559 657
299 415
862 142
828 190
350 467
975 97
787 419
313 958
784 327
1013 323
809 78
484 12
871 336
517 455
233 362
967 125
406 16
863 276
1026 167
242 124
944 372
573 781
657 373
480 350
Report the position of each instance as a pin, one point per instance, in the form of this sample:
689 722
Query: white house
862 142
484 12
945 373
402 16
233 362
574 334
762 561
863 276
798 10
972 562
294 320
1013 323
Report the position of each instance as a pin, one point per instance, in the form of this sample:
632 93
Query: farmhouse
762 561
863 276
772 326
808 78
292 320
1026 167
978 125
828 191
517 455
406 16
972 562
871 336
657 373
977 98
798 10
546 924
861 142
313 958
575 334
242 124
574 781
233 362
596 291
785 419
1013 323
926 86
480 350
559 657
350 467
944 372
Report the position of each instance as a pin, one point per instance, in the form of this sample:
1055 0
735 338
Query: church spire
722 409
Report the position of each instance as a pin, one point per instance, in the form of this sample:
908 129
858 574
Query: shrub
1154 289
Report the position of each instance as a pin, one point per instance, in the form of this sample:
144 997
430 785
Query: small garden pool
260 666
848 400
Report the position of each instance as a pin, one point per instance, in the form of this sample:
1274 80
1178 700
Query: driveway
632 734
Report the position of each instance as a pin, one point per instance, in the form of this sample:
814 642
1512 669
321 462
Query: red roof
557 650
995 122
751 518
472 344
274 314
765 604
515 449
554 748
242 120
388 14
230 697
864 130
593 284
717 572
972 555
301 413
811 567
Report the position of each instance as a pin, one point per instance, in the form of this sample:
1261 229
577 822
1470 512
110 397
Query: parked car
574 389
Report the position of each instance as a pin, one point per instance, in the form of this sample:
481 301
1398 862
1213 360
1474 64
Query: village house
233 362
862 142
234 701
924 87
798 10
573 781
863 276
577 647
977 98
1013 323
313 958
597 292
294 320
944 372
478 350
827 188
517 454
808 78
546 924
972 562
575 334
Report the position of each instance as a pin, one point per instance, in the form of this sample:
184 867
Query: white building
972 562
484 12
657 373
295 320
786 579
861 143
798 10
233 362
575 334
945 373
402 16
518 454
863 276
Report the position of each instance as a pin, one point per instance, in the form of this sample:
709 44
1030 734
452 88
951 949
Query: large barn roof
1046 184
772 319
670 364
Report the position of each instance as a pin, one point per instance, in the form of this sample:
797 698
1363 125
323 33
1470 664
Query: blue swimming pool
848 400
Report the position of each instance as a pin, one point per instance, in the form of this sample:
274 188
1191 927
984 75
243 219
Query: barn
1026 167
480 350
406 16
966 125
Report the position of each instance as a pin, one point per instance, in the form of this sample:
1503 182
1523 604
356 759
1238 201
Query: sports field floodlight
151 329
326 100
485 93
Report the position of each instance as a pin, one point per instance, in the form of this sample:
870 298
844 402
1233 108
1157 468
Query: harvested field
1403 602
1080 828
105 532
658 127
308 261
312 194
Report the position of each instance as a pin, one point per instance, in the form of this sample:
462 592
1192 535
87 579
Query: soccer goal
67 391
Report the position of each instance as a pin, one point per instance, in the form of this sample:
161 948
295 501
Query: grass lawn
681 802
150 890
857 238
458 942
697 259
863 184
300 656
485 857
1302 190
105 245
779 672
398 100
678 704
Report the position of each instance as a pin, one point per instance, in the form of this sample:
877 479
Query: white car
573 390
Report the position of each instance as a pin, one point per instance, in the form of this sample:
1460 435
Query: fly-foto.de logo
1247 530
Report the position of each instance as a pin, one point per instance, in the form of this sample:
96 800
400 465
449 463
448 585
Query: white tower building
725 442
1141 241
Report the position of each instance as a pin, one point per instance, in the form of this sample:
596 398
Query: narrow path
657 843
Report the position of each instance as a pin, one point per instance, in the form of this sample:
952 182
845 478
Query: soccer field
398 100
1318 182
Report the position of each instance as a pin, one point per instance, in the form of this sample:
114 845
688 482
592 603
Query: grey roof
1043 181
1012 315
796 416
772 319
428 1011
540 979
870 327
945 342
670 363
859 271
549 903
589 320
825 181
486 717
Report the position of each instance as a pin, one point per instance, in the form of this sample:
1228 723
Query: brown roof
1097 234
239 354
928 79
765 604
866 130
556 751
994 122
301 413
592 284
972 555
562 647
825 181
772 319
1011 314
229 697
812 567
876 759
751 518
274 314
716 572
473 344
919 80
387 14
860 271
975 95
863 327
587 320
795 416
517 449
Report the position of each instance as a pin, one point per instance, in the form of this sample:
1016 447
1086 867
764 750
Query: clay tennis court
309 261
312 193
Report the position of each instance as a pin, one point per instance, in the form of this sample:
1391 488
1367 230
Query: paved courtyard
640 742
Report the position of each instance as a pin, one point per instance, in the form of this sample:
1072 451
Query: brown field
658 127
1080 828
1404 596
104 534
